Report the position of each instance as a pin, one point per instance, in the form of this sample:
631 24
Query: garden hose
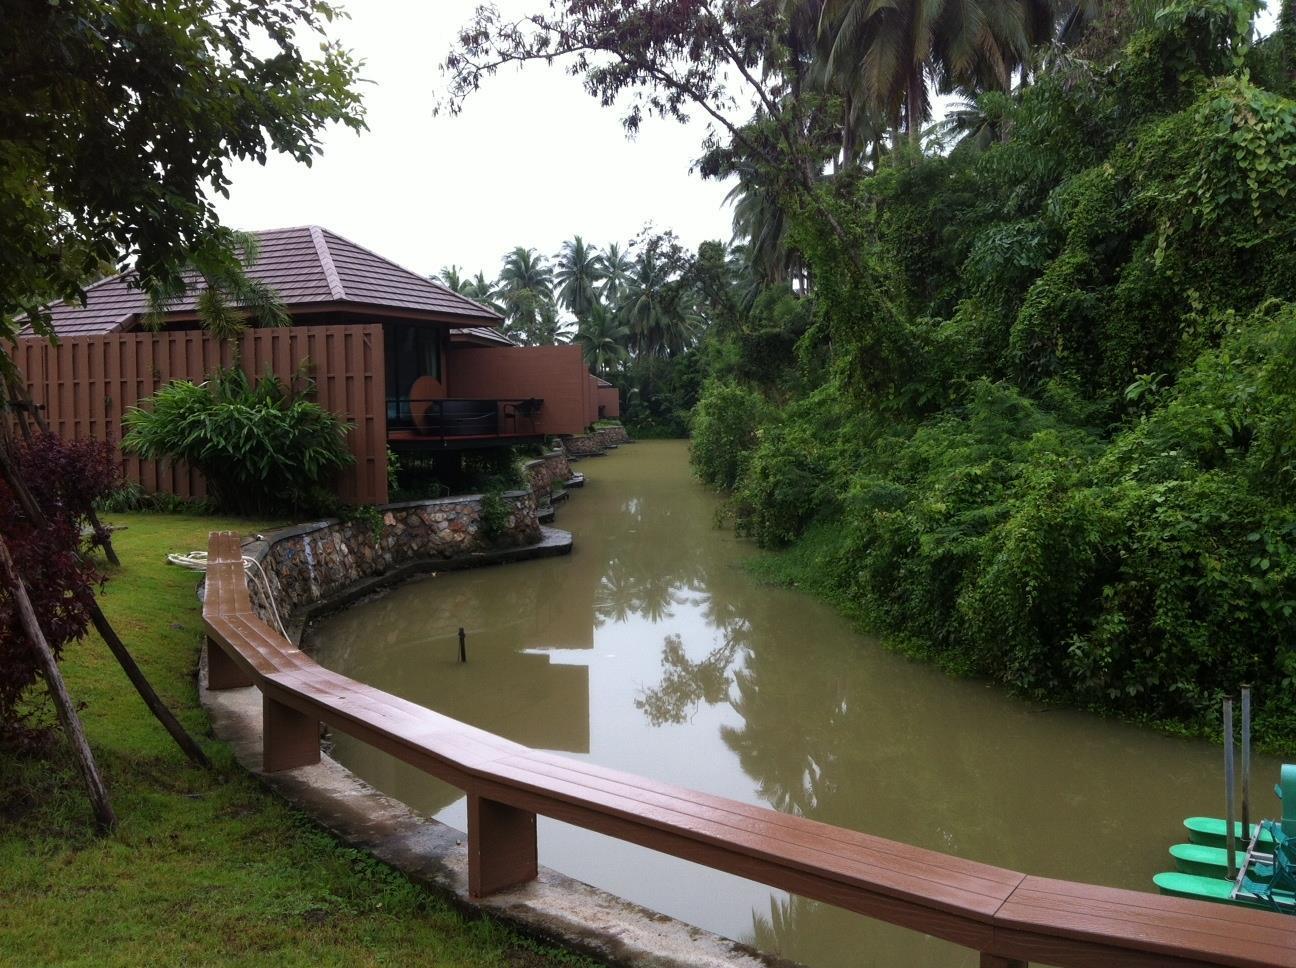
197 561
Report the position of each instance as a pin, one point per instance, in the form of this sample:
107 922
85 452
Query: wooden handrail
1011 918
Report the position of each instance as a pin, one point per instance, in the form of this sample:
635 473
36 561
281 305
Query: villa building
411 364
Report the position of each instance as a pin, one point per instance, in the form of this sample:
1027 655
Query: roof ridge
326 262
408 271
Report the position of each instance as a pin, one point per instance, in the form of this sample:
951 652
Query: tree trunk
105 819
914 102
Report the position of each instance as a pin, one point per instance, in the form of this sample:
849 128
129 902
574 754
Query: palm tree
482 290
579 271
525 289
883 53
656 309
615 269
452 278
602 338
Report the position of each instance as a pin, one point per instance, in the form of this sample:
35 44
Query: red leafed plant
64 478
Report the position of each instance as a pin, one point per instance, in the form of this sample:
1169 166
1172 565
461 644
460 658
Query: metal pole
1229 843
1246 765
463 646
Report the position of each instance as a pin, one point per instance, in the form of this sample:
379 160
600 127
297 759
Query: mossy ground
206 867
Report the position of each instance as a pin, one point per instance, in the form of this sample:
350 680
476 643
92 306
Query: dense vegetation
1054 445
1017 388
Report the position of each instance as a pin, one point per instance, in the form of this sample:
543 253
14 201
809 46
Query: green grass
206 867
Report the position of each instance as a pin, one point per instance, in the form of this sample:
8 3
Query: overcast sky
531 161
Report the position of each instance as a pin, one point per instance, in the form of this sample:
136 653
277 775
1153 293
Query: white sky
531 161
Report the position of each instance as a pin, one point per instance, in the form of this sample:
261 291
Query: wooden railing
1010 918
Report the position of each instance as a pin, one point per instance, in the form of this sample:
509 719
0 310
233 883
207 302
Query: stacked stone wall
611 436
583 445
553 468
314 562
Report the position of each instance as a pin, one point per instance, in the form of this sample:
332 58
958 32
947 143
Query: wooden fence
1009 917
86 384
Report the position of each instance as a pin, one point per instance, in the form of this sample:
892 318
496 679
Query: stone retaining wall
547 471
315 562
582 445
611 436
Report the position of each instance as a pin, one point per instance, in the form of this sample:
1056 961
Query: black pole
463 648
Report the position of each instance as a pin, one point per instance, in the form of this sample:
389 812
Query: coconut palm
884 53
657 309
482 290
602 338
452 278
615 268
579 270
525 290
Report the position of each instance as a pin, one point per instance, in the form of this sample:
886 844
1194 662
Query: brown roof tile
307 266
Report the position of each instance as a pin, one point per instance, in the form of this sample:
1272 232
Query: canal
650 649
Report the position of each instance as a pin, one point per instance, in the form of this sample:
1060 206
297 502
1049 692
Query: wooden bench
1007 916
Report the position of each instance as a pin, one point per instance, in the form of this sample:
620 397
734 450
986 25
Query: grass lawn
205 868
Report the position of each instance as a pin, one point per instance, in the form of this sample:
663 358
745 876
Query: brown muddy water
650 649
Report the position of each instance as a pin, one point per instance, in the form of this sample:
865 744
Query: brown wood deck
1007 916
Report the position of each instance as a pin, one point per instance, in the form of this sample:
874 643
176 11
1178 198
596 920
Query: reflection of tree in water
686 684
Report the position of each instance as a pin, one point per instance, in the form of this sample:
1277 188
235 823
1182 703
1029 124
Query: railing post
222 671
501 846
995 961
288 738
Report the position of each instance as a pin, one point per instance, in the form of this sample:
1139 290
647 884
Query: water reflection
651 650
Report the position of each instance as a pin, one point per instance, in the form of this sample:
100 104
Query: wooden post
288 738
222 671
501 846
105 819
996 961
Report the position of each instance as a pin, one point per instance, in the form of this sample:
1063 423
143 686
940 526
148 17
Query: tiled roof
308 266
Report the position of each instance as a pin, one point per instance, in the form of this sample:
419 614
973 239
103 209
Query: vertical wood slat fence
87 383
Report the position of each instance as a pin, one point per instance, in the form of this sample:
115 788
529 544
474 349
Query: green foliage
494 514
261 447
1053 442
724 425
121 119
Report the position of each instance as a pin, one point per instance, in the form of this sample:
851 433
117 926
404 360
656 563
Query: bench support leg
995 961
501 846
222 671
288 738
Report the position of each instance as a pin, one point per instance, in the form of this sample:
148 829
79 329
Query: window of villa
412 352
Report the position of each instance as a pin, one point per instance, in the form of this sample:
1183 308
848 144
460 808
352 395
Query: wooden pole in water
1246 765
1229 841
463 646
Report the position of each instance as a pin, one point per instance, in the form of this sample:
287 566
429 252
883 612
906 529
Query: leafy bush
263 448
724 425
65 478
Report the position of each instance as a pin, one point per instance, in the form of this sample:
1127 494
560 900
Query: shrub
65 478
724 425
263 448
